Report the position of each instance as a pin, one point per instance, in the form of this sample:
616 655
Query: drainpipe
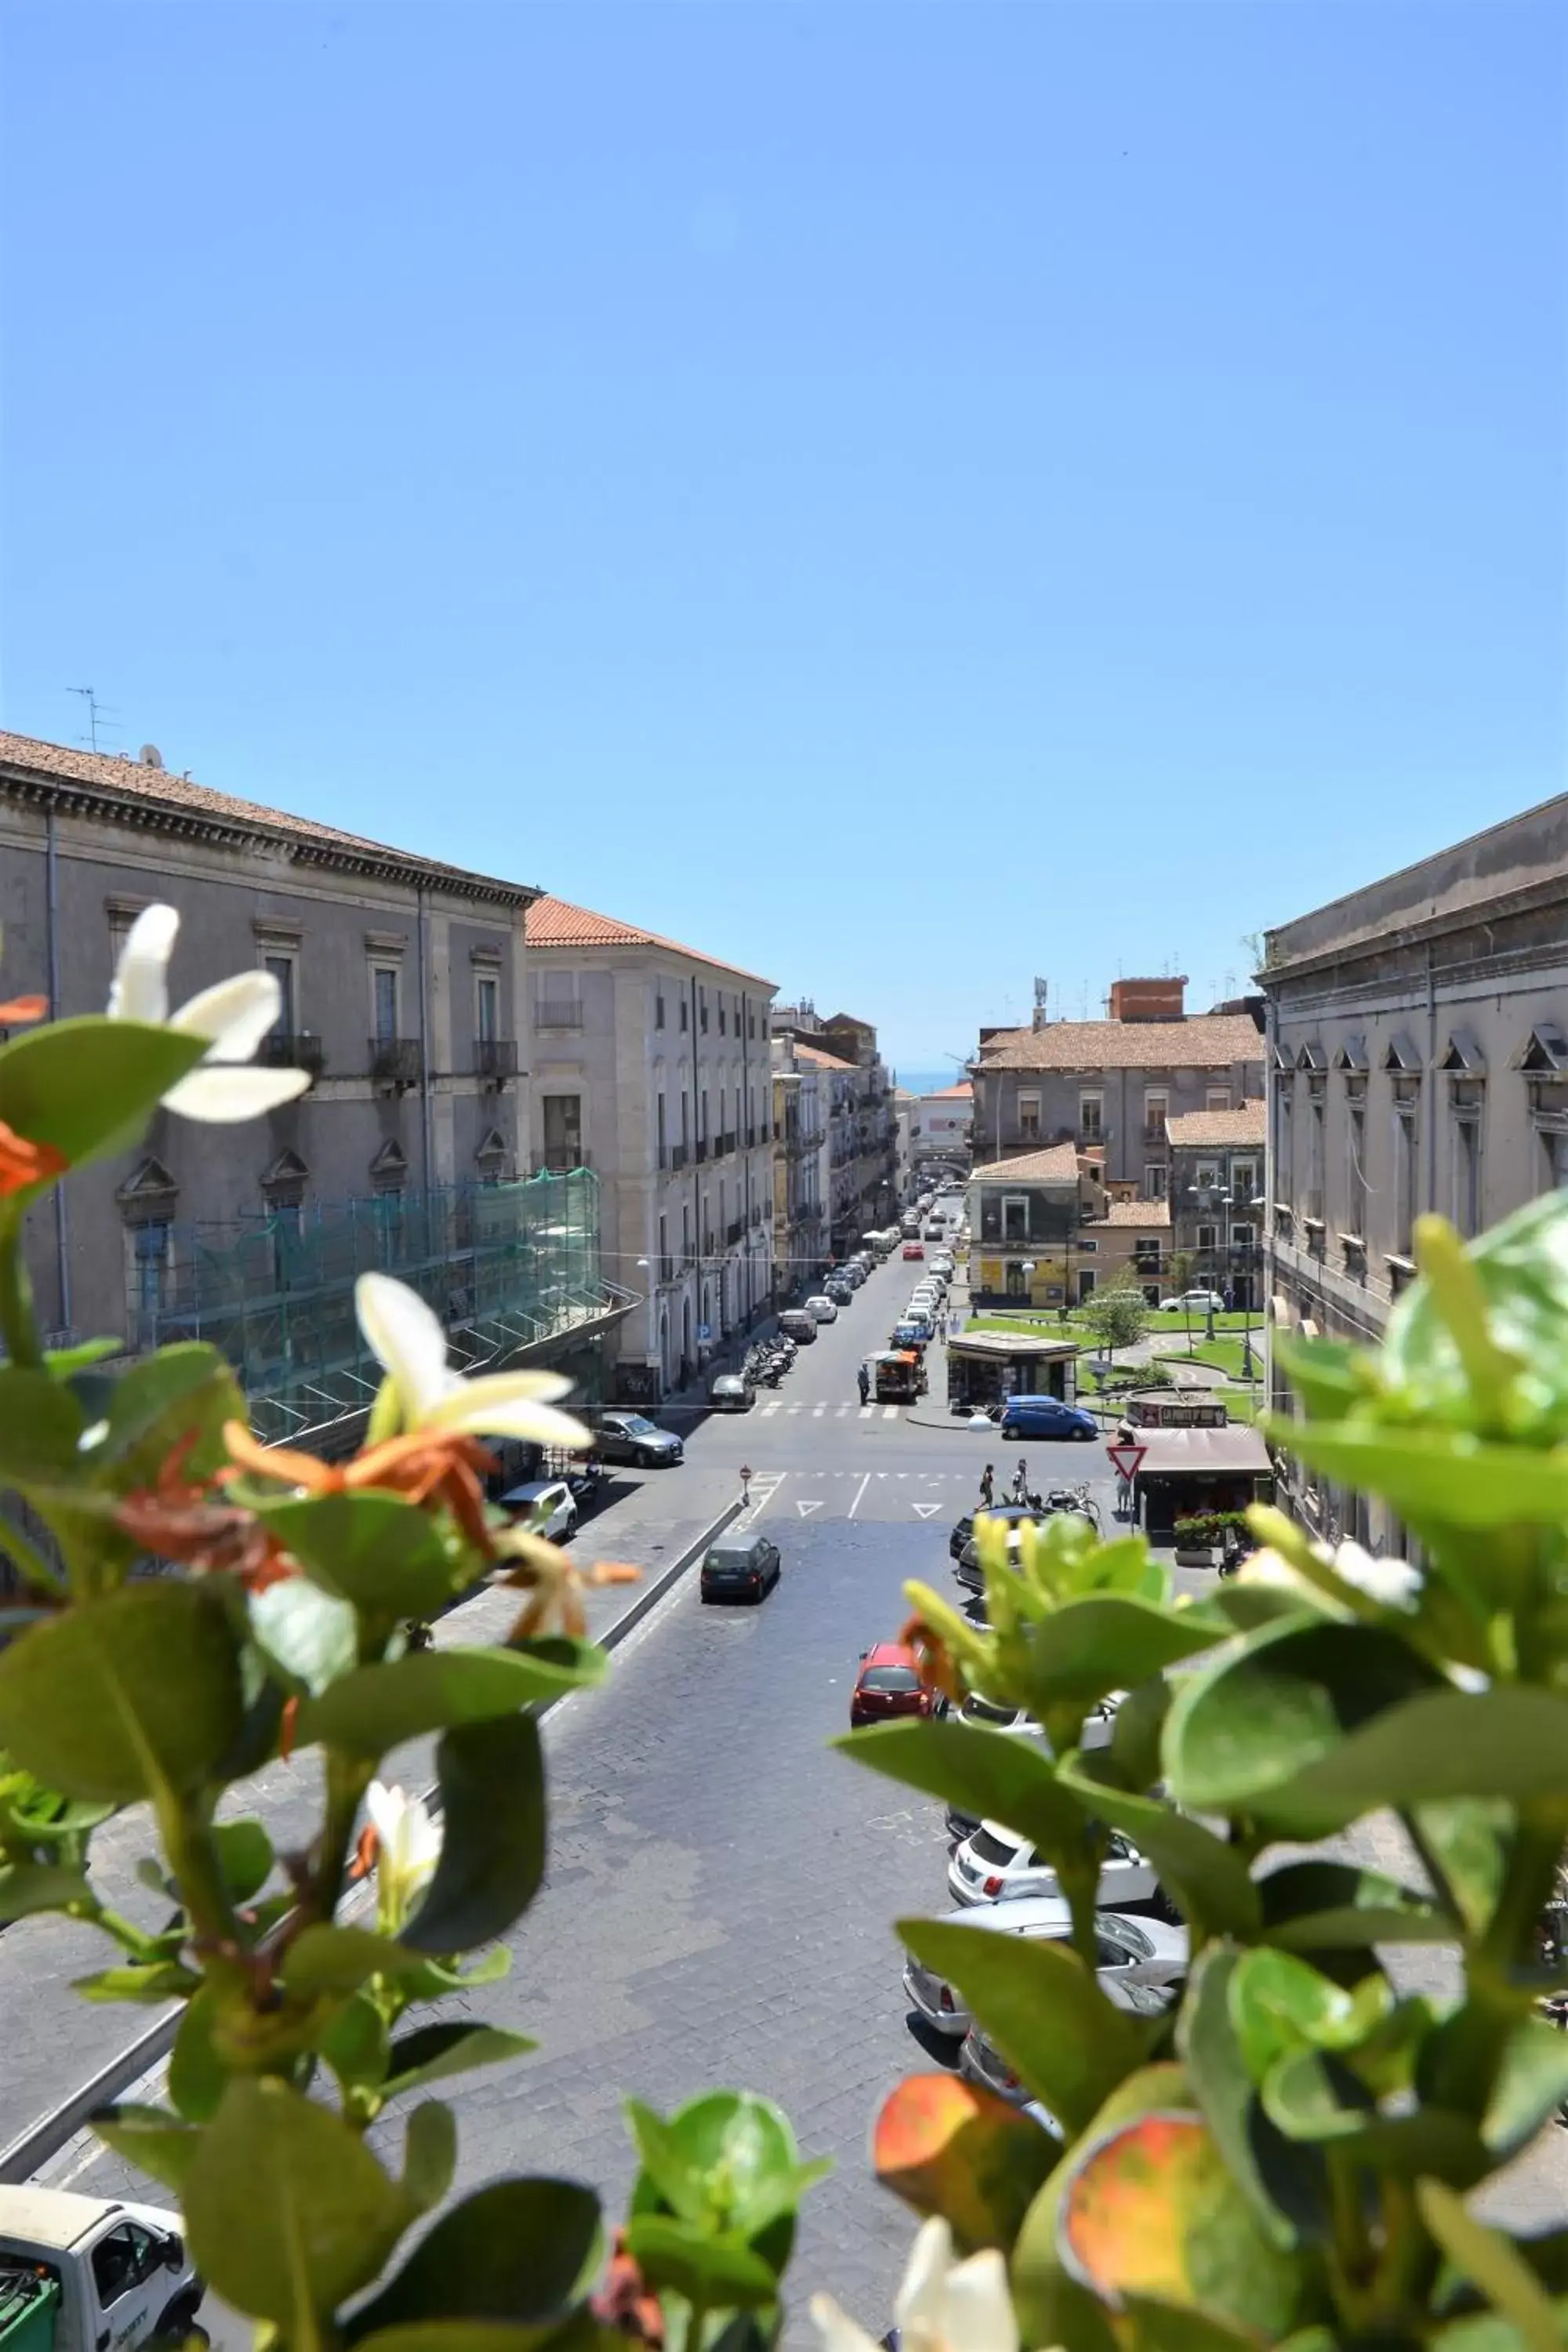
1431 1107
426 1104
52 944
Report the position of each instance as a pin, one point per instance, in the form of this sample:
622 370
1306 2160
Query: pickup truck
90 2273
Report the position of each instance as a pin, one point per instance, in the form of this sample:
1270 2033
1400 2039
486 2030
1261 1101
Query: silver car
1133 1951
998 1865
983 2063
1098 1727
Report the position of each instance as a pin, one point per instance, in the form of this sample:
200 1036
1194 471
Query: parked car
797 1325
839 1290
911 1333
983 2063
632 1437
746 1568
940 1262
822 1309
915 1249
1097 1729
727 1393
968 1571
997 1865
1133 1951
962 1530
1046 1416
1197 1301
934 1231
889 1685
546 1506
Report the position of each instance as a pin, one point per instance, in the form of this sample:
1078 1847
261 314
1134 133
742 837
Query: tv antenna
98 717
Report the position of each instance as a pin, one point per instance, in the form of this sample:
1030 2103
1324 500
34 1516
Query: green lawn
1049 1324
1221 1355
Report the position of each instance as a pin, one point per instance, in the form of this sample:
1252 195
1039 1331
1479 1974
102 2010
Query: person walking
987 1488
1021 1480
863 1381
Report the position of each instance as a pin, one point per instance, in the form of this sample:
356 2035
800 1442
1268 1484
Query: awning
1235 1452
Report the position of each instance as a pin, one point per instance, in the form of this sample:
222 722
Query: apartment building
403 990
1216 1199
650 1064
1112 1086
801 1177
862 1135
1418 1038
940 1130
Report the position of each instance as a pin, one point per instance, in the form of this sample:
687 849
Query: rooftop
1202 1452
819 1060
961 1093
1057 1165
1208 1041
557 923
1134 1212
153 795
1247 1124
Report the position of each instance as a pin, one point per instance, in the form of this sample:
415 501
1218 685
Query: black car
632 1437
742 1570
963 1528
967 1569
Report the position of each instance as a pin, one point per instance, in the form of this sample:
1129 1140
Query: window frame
383 968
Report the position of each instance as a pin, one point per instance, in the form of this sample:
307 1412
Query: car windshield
889 1679
986 1848
637 1425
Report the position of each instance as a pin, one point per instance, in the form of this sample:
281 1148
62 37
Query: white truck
90 2273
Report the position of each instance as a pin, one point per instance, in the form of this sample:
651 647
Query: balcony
680 1153
396 1061
557 1016
702 1149
559 1159
734 1229
292 1049
726 1144
495 1059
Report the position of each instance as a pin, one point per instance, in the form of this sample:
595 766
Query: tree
1117 1315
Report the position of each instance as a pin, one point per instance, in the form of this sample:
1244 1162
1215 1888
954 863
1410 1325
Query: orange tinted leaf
947 2146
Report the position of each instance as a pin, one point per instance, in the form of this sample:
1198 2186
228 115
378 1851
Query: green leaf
155 1403
152 2140
151 1982
1278 2004
341 1959
124 1696
1041 2007
1309 2094
310 1638
1532 2085
473 2335
1211 2049
377 1707
65 1363
1496 2268
491 1778
1510 1742
41 1425
719 2272
1433 1476
1106 1642
355 2044
729 2158
1464 1838
1313 1906
374 1550
434 2052
90 1086
245 1857
1243 1732
199 2077
27 1888
518 2251
1208 1878
1136 1732
1159 2326
288 2212
993 1774
1520 1268
430 2155
1330 1376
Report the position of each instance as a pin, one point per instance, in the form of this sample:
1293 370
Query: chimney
1149 1000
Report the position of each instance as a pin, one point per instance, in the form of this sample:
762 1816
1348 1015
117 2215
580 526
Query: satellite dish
149 756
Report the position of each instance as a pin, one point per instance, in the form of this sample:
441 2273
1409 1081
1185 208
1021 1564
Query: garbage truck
92 2273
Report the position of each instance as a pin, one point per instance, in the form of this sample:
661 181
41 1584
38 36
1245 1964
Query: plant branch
18 1328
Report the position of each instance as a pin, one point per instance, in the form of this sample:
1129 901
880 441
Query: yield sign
927 1510
806 1509
1126 1458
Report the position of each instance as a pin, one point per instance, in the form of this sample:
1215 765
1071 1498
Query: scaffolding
506 1268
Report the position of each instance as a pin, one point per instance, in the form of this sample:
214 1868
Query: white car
546 1507
942 1264
1134 1951
1096 1730
1197 1301
997 1865
822 1310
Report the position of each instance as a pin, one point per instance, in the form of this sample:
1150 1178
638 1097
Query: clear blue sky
906 497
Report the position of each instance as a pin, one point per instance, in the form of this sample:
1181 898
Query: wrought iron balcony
559 1159
293 1049
396 1060
495 1059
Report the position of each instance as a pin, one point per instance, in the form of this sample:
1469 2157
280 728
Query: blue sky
906 497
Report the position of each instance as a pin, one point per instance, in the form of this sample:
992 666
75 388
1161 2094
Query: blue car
1046 1416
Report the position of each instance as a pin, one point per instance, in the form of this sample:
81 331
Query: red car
914 1249
887 1685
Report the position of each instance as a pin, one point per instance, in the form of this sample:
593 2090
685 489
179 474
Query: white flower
236 1016
409 1342
941 2306
1394 1582
408 1843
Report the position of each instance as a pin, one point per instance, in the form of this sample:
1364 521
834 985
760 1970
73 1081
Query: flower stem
17 1327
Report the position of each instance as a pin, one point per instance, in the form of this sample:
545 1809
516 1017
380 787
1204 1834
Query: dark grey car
632 1437
745 1569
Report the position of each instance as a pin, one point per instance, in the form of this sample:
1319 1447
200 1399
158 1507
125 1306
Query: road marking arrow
926 1510
806 1509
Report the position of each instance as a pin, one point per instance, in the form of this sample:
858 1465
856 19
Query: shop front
985 1367
1188 1473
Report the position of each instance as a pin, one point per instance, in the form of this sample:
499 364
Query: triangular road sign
928 1510
1126 1458
806 1509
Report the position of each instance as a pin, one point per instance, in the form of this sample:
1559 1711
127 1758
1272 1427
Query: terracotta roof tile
1057 1165
1206 1041
819 1060
556 923
157 788
965 1093
1247 1124
1135 1212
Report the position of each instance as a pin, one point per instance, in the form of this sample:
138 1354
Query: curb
55 2130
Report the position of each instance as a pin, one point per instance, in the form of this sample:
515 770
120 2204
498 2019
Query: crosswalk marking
817 1410
866 1412
772 1405
889 1413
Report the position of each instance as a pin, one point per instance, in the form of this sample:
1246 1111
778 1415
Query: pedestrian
745 1486
1229 1299
1020 1480
987 1488
863 1381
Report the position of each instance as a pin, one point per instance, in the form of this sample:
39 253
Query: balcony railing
734 1229
702 1149
559 1159
396 1060
680 1153
495 1059
726 1144
293 1049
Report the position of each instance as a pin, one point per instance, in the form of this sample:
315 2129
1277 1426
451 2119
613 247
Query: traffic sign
705 1330
1126 1458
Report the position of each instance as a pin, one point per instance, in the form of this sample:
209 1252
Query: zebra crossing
838 1412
